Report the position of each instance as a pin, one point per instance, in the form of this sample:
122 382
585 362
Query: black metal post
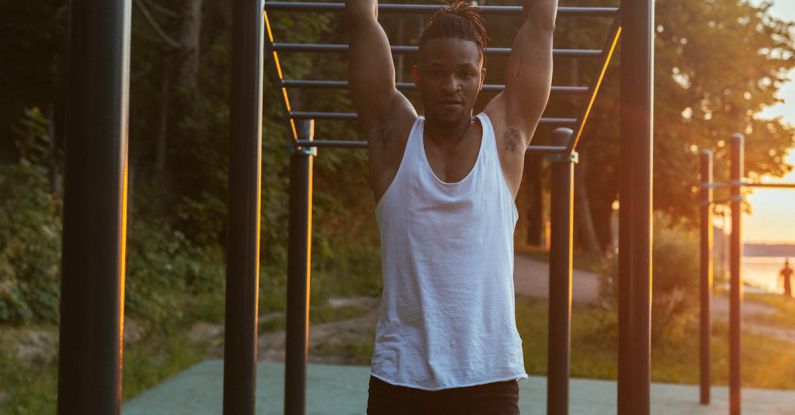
560 269
245 172
736 280
299 259
95 209
705 281
635 193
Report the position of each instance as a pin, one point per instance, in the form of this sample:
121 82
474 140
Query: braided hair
456 19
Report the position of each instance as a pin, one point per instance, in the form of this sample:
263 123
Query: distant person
786 274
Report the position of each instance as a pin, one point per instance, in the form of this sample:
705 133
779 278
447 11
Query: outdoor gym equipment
735 184
561 152
90 350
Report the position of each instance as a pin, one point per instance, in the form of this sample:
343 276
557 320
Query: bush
675 273
163 266
30 245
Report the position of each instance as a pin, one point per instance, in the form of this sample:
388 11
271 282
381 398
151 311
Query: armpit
512 139
382 138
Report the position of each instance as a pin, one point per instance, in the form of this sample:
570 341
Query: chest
452 164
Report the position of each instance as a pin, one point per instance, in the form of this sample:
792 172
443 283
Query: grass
31 387
27 388
149 362
784 310
766 362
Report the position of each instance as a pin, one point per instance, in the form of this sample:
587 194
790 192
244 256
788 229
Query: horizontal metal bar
411 49
748 184
769 185
363 144
430 8
408 86
302 115
331 143
704 185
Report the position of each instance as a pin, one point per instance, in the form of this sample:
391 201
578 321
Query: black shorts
499 398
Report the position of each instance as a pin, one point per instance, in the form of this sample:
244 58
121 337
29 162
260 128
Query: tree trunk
586 234
189 36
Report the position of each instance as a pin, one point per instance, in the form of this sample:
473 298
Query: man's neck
445 135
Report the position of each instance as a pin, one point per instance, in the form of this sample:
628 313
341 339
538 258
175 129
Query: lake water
762 272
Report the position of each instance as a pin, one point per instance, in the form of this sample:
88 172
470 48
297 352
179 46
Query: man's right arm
385 114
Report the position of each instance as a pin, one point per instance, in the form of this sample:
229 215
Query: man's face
449 76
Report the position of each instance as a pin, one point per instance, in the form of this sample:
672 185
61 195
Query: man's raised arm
528 75
371 71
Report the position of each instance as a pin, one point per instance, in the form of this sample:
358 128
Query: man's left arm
528 75
528 79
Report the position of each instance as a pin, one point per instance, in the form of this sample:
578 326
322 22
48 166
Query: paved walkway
342 390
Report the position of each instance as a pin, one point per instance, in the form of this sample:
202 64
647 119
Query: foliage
717 64
34 63
30 232
162 262
675 282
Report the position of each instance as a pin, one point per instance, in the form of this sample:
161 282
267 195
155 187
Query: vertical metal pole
706 274
635 192
299 259
245 170
560 268
736 282
95 209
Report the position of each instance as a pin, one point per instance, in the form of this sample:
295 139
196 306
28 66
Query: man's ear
415 75
482 77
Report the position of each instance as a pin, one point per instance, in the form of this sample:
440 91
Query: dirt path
531 278
332 343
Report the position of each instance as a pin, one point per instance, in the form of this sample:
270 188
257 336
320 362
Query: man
786 274
445 184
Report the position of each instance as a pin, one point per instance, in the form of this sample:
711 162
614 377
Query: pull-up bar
411 49
768 185
408 86
748 184
351 116
430 8
363 144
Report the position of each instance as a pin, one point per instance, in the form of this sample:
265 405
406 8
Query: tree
717 64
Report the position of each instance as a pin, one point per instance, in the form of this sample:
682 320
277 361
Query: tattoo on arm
511 139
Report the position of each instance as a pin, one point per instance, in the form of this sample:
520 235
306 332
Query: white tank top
447 315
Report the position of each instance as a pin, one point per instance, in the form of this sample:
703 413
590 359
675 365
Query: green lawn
767 362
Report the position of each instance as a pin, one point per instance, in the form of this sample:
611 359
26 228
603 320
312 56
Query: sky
773 210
